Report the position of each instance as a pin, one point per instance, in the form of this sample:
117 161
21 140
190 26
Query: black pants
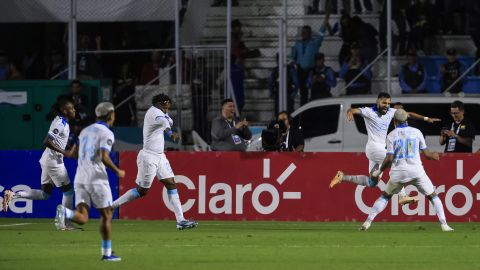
302 78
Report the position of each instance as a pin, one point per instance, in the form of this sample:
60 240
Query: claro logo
220 196
464 189
24 205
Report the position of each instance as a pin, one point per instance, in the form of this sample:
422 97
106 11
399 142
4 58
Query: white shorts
56 175
151 165
375 156
99 194
423 184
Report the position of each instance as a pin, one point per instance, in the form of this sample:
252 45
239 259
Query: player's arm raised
417 116
351 112
430 155
109 164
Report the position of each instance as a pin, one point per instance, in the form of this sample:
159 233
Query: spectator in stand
420 19
88 66
14 72
451 71
321 79
4 67
293 139
239 49
366 37
473 11
458 134
352 66
412 78
151 70
229 133
303 54
347 32
292 86
401 31
56 66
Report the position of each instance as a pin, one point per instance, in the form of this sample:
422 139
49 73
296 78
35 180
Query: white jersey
154 124
58 132
405 143
92 140
377 126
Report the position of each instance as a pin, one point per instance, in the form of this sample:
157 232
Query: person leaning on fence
229 133
352 67
321 79
450 72
303 54
412 78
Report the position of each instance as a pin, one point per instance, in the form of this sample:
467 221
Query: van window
437 110
318 121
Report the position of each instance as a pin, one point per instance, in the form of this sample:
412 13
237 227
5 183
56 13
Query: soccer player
377 120
404 144
151 161
54 173
91 180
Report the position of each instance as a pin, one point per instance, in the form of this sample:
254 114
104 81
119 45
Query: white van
326 130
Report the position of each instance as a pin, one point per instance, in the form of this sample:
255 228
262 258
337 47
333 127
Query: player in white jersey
377 119
91 180
151 161
54 173
404 144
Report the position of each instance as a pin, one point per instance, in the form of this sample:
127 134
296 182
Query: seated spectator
458 134
303 54
352 66
450 72
292 86
292 138
229 133
321 79
413 77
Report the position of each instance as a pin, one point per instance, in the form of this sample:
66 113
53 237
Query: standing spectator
451 71
292 139
303 54
413 77
365 36
56 66
151 69
420 20
352 66
347 32
237 76
458 134
292 86
229 133
239 49
321 79
88 63
401 33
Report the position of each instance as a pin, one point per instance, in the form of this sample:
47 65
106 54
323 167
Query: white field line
15 224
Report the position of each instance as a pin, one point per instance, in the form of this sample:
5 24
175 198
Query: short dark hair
398 104
307 27
227 100
458 104
383 95
76 82
160 98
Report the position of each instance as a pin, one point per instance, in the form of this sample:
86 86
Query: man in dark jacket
413 77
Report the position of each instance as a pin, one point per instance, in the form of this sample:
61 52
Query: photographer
282 136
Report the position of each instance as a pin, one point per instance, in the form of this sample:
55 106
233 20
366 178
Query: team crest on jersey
55 131
109 142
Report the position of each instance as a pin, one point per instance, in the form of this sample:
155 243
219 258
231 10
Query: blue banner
20 170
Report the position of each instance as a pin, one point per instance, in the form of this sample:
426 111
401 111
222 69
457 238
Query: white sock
174 199
128 196
377 208
437 203
361 180
67 199
69 213
33 194
402 193
106 247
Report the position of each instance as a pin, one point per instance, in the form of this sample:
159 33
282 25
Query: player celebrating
91 180
54 173
377 119
151 160
403 146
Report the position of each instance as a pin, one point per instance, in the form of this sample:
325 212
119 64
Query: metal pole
72 41
389 46
229 90
282 101
178 71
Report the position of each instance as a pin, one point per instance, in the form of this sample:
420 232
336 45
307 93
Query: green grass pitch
35 244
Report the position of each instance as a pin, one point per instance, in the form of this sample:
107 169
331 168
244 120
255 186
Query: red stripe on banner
294 186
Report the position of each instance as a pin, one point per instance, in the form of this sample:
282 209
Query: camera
272 137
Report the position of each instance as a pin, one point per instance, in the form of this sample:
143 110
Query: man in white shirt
377 119
54 173
151 160
91 180
404 144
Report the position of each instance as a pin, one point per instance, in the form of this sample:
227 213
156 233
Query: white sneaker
365 226
60 218
7 198
446 228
